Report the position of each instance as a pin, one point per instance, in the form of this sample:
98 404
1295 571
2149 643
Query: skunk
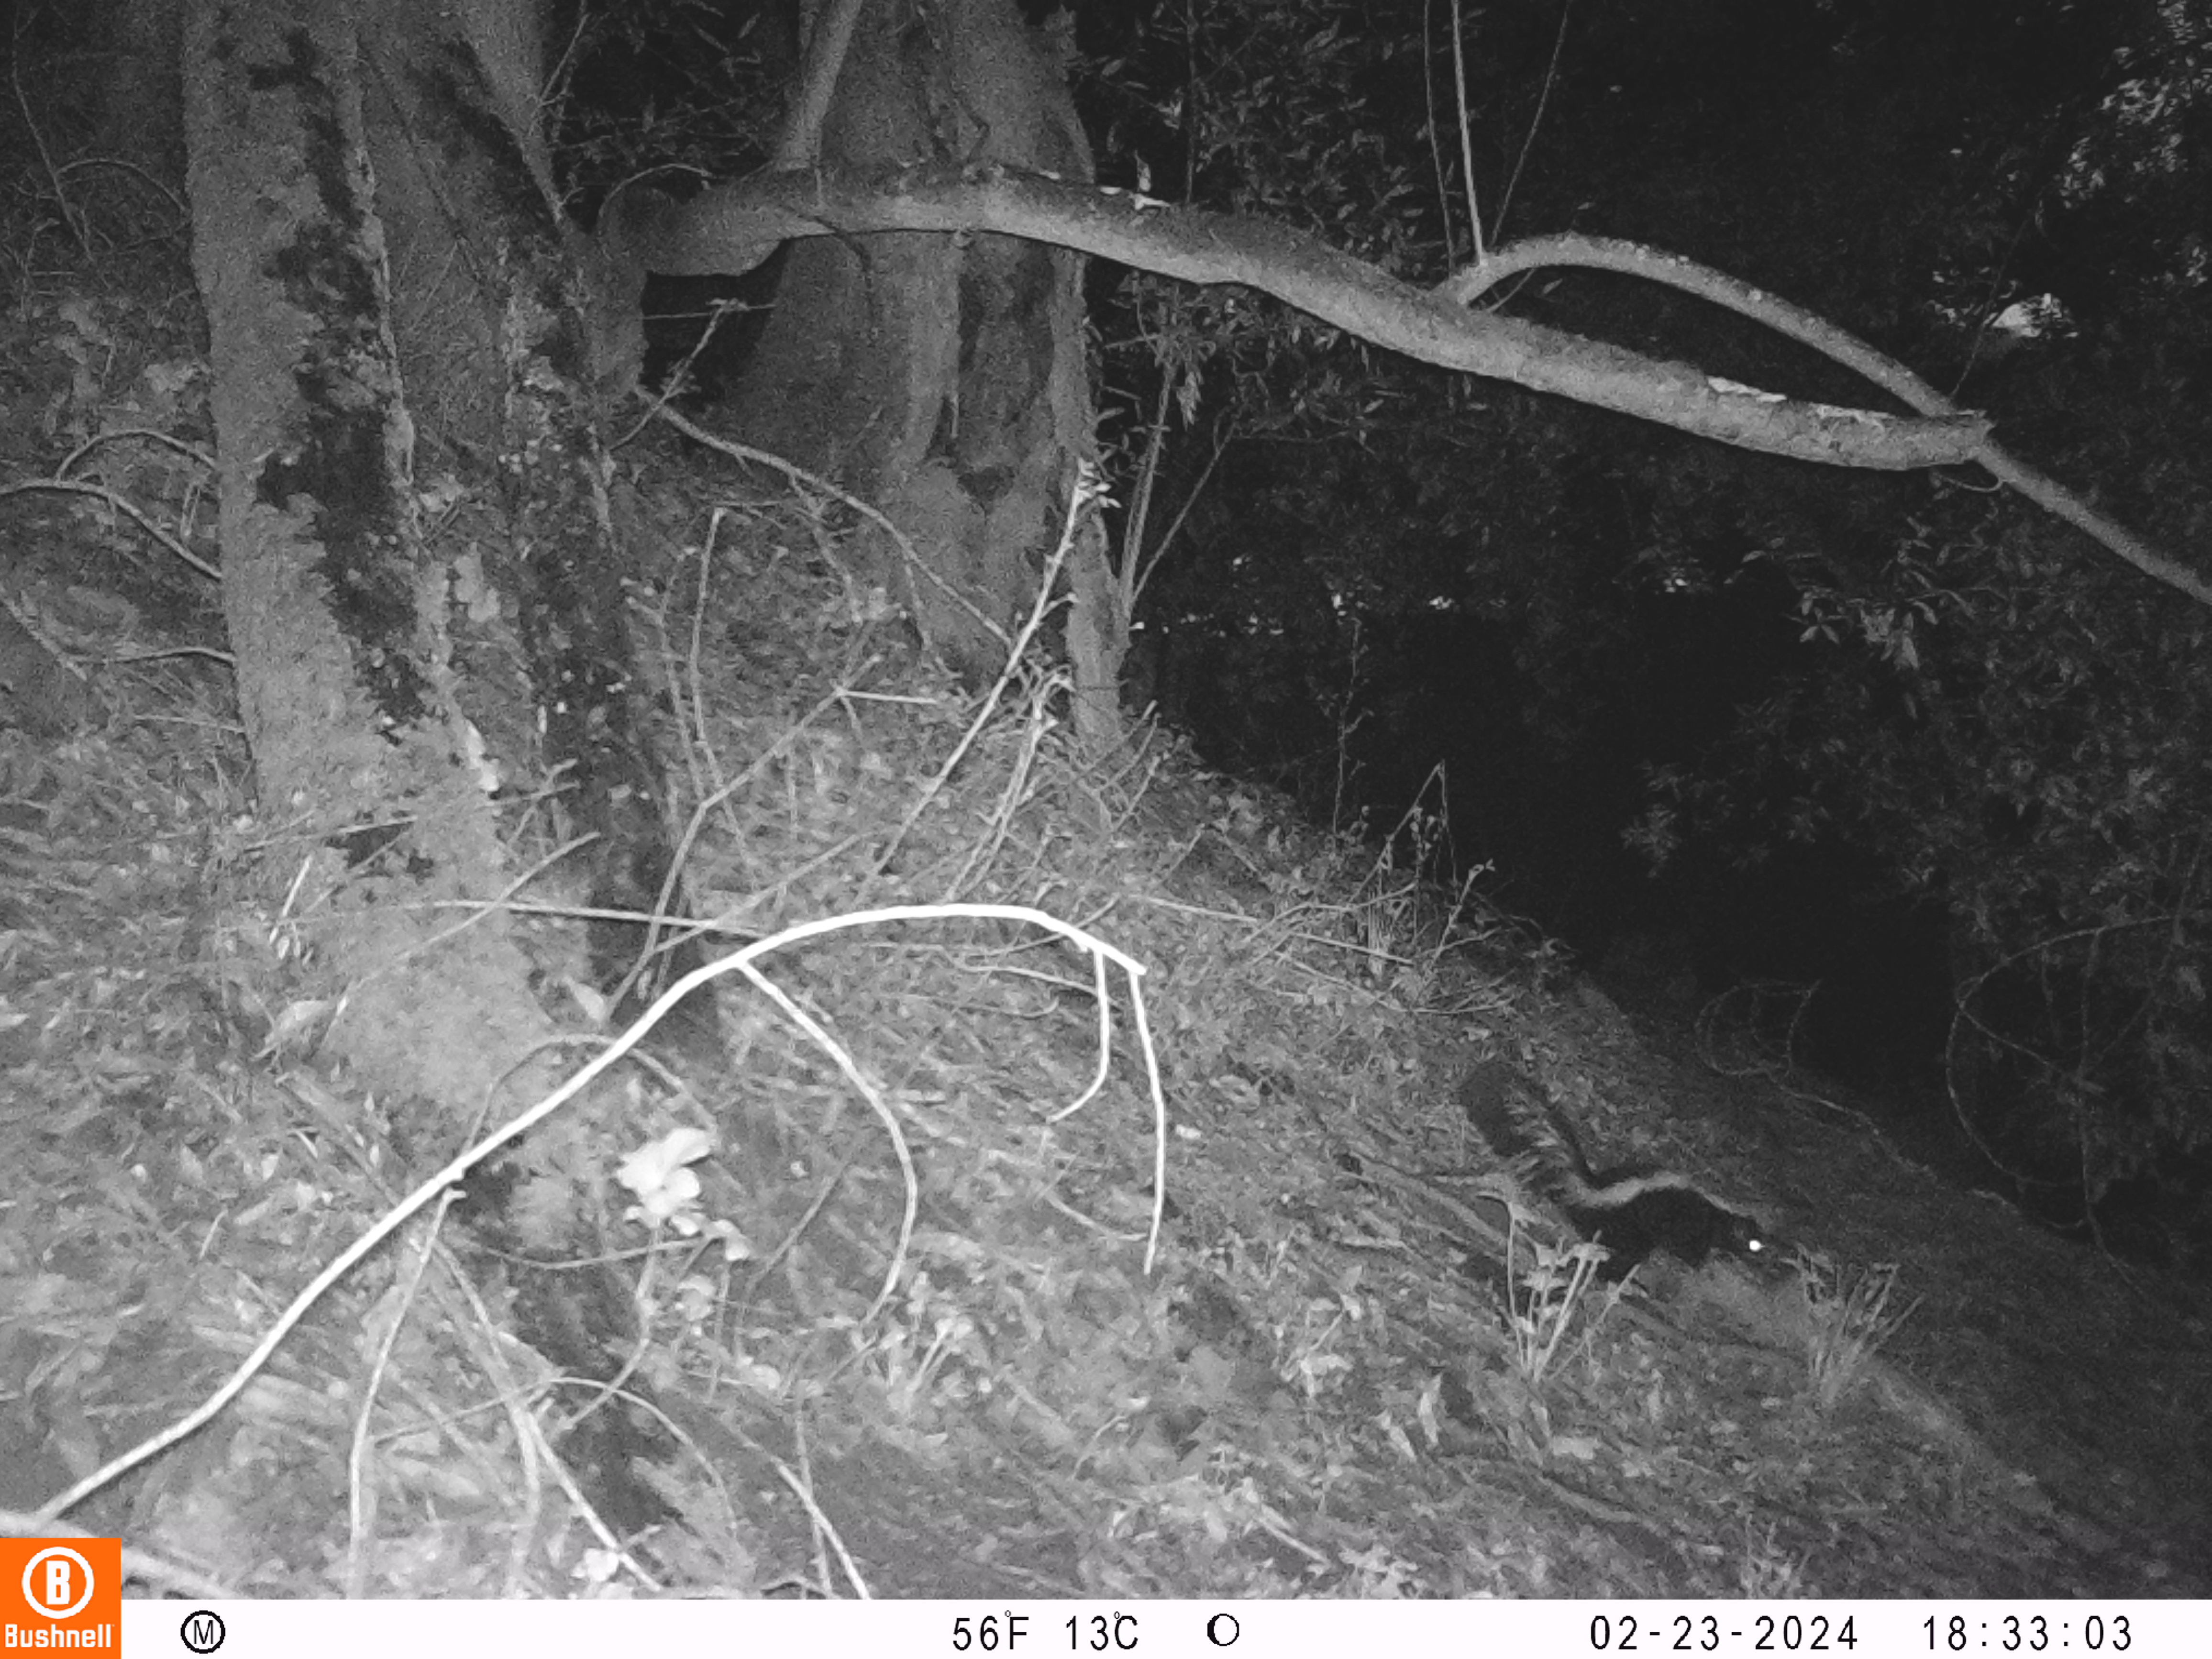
1631 1215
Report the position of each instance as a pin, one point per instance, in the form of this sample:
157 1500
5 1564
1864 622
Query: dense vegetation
1896 735
1900 737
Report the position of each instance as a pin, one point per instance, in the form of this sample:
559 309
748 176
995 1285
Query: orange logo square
61 1594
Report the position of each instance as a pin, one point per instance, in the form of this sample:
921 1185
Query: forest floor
1320 1381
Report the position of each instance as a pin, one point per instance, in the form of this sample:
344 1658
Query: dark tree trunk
382 688
503 349
388 692
345 676
946 377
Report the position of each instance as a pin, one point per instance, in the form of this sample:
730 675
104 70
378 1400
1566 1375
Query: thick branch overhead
733 226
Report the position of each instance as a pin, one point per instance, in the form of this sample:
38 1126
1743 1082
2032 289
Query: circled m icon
203 1632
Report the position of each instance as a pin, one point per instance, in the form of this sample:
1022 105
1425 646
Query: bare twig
121 504
873 515
70 216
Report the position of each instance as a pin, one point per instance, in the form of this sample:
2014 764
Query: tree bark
946 377
504 349
346 679
405 708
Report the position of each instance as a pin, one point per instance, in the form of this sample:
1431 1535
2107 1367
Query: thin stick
799 475
1042 607
1465 144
